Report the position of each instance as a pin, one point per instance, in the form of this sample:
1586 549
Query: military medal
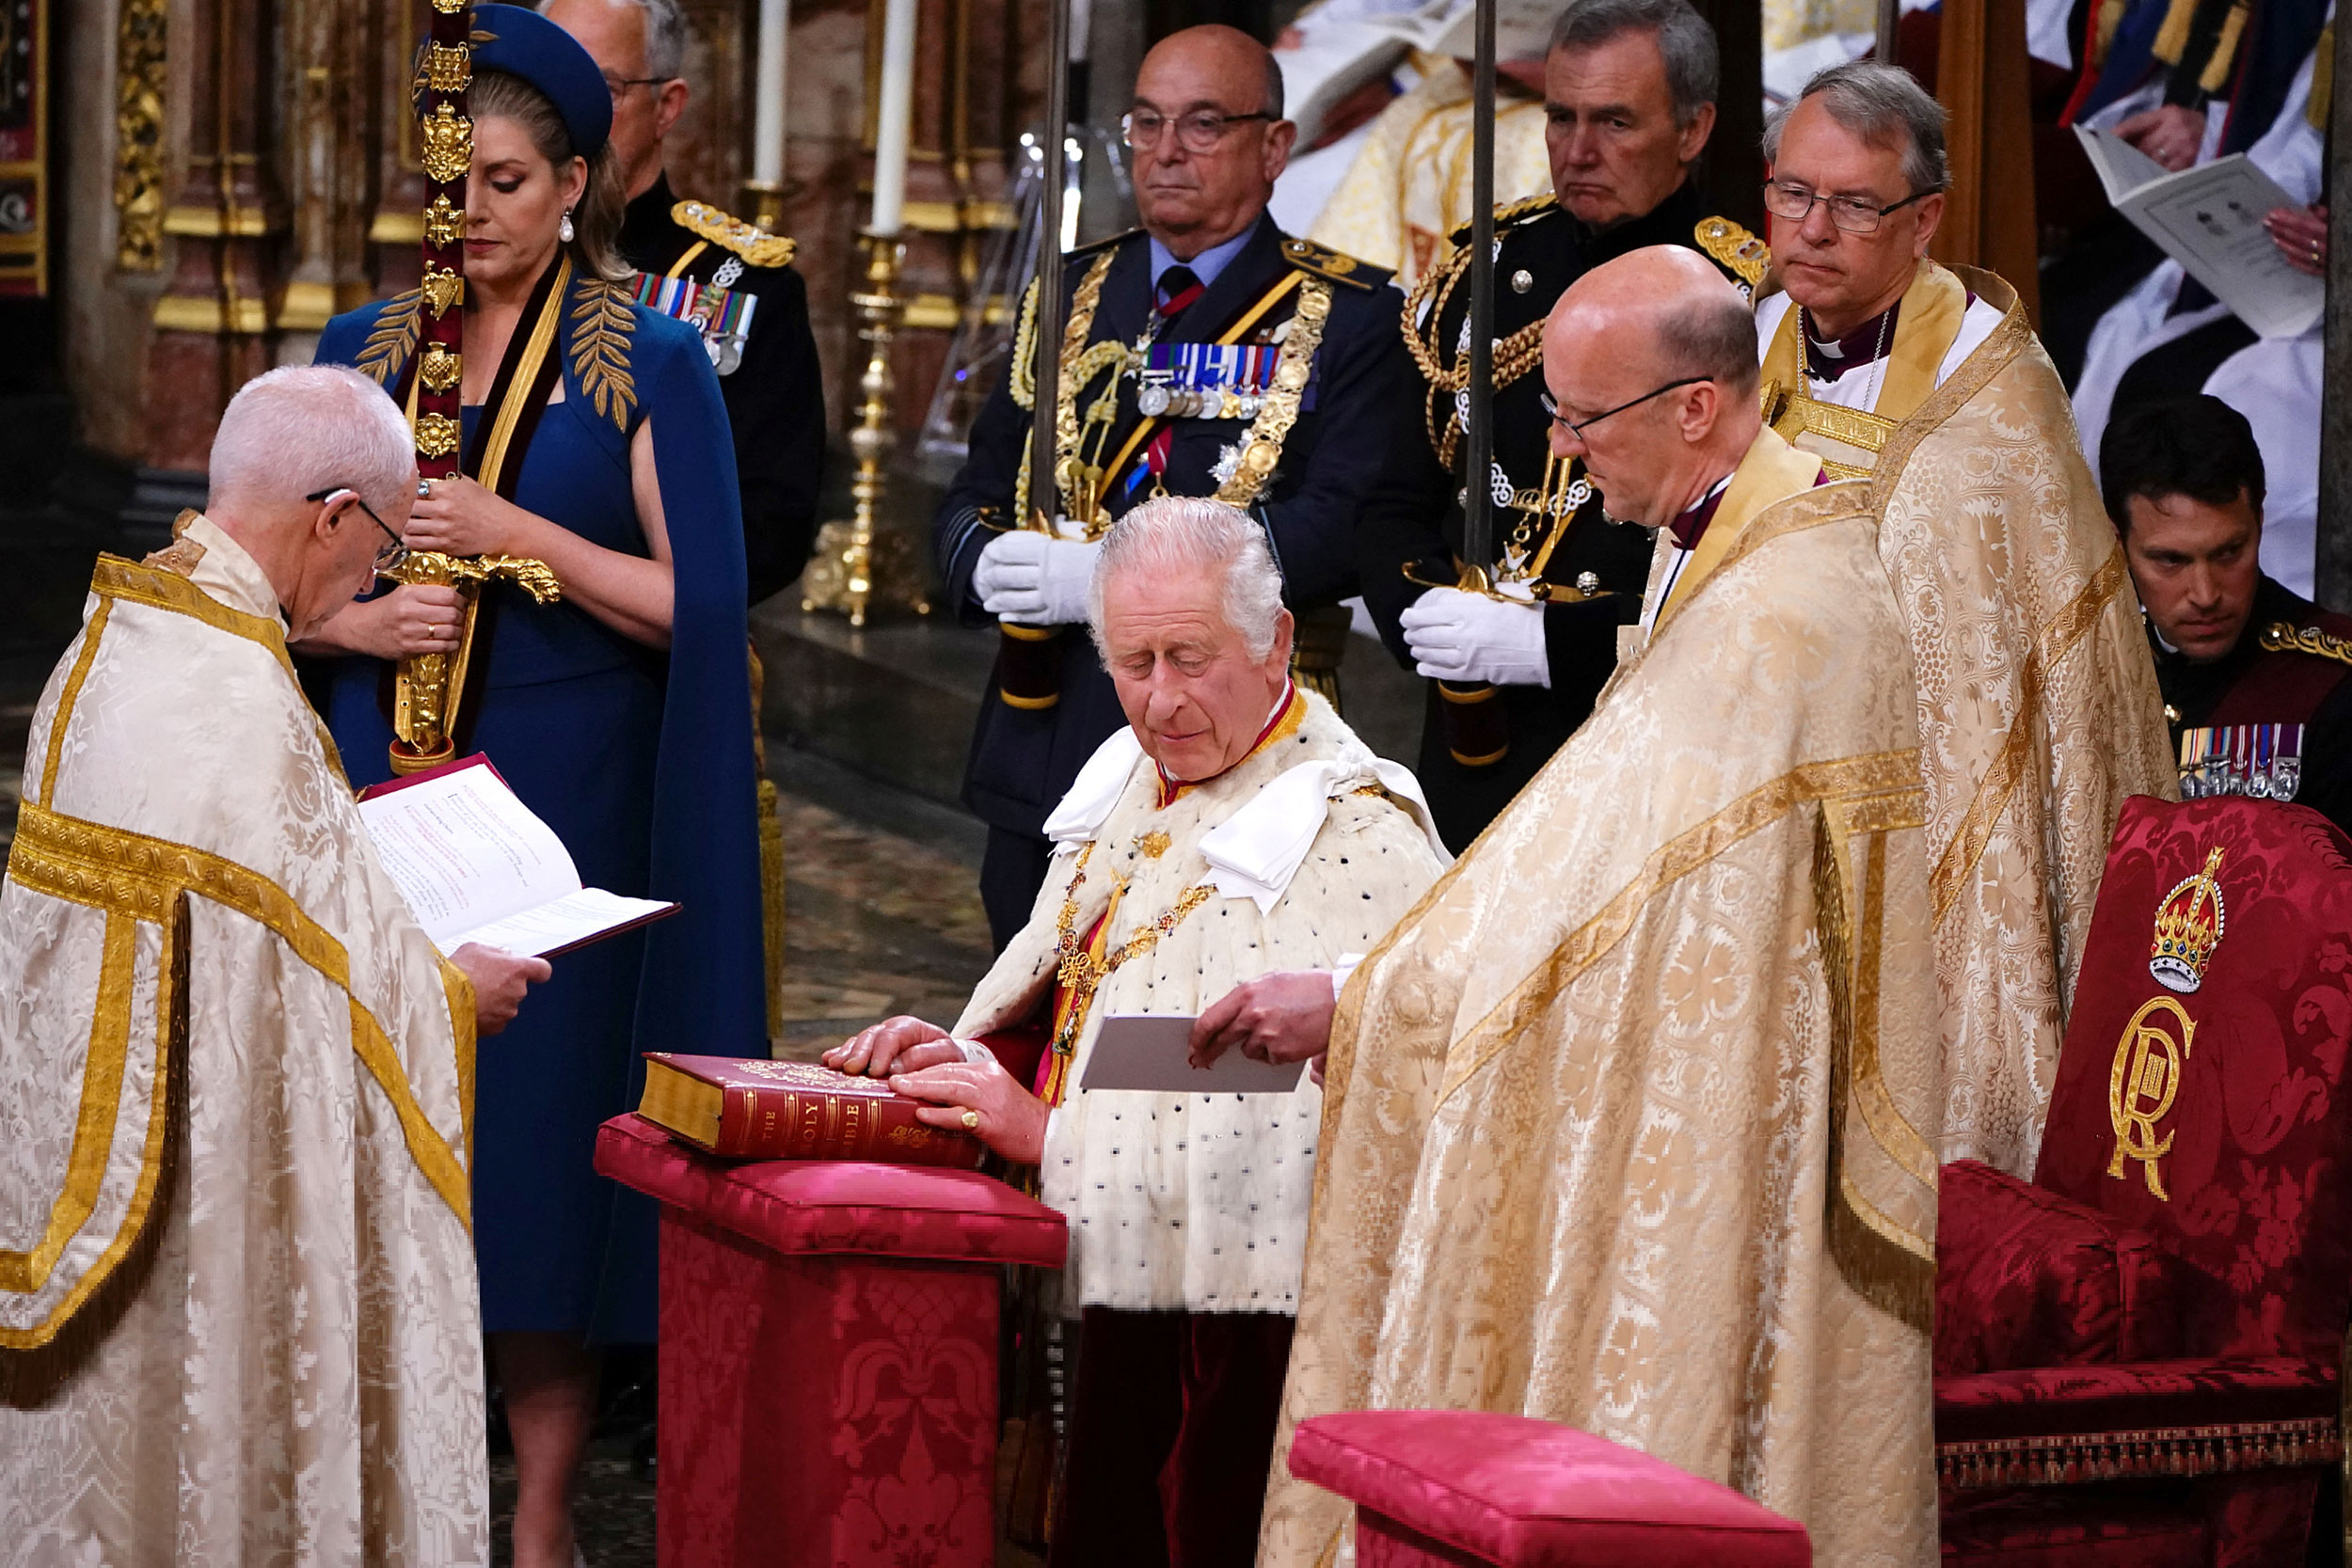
2260 761
722 314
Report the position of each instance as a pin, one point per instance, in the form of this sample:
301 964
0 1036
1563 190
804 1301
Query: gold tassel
2173 38
2218 69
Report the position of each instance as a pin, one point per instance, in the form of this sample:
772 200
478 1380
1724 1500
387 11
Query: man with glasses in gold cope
1207 355
239 1320
2038 704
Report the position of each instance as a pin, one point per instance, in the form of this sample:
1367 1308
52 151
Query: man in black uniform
2254 677
1206 354
732 280
1629 91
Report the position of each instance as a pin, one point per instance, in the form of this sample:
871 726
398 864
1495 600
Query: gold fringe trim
2079 1458
115 869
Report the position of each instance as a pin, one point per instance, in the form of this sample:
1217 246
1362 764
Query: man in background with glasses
731 281
2038 708
1206 354
1629 89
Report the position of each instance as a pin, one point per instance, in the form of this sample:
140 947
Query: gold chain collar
1080 973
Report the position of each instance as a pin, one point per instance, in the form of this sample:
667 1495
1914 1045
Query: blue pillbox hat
526 44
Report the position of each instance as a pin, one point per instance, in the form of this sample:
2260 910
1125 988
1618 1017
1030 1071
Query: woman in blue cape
594 440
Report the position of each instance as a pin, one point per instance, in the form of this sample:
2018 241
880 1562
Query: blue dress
642 763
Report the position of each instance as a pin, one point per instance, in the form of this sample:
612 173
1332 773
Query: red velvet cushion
805 1205
2140 1526
1529 1494
2258 1133
2142 1397
2027 1278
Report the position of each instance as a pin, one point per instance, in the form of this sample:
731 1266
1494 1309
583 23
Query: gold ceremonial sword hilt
427 688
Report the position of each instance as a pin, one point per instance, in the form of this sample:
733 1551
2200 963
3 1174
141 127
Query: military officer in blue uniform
1206 354
2257 680
732 281
1630 89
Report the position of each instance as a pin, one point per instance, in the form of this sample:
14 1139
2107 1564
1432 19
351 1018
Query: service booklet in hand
1152 1051
2209 219
476 865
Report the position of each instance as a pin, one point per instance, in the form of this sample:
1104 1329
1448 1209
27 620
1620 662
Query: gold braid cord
1080 973
1024 374
1424 330
1263 448
2282 637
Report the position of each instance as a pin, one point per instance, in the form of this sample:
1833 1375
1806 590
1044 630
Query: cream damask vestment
2038 704
1630 1123
1165 897
238 1316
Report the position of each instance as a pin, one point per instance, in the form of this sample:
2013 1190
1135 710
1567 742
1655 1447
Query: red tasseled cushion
2141 1398
810 1206
1521 1493
2024 1277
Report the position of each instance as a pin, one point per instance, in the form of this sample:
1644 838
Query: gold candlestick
857 566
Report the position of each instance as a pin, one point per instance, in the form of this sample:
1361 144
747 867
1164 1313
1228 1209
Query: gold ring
971 1120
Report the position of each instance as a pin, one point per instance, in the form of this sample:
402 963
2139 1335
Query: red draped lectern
828 1353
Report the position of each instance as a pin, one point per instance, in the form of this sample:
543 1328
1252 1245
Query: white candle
894 123
775 25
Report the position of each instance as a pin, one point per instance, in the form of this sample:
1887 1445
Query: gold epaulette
1734 249
757 247
1507 215
1103 244
2285 637
1323 261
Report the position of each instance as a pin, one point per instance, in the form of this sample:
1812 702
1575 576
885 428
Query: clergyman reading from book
238 1317
1235 828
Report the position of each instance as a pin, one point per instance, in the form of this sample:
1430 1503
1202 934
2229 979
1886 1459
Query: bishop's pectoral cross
427 688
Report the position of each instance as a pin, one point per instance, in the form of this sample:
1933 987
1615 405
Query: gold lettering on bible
427 688
2141 1090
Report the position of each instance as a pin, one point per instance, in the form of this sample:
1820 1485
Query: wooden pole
1989 218
2332 586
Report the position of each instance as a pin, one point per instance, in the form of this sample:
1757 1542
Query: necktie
1179 287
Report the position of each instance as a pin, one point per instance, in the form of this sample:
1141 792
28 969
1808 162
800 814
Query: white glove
1034 578
1468 637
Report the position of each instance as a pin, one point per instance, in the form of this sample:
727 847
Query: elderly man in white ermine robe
1631 1121
2037 704
237 1301
1236 828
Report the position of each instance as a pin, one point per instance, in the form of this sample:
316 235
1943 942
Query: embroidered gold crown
2188 929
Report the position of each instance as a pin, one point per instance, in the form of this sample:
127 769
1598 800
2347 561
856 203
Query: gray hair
1885 106
1685 43
665 36
295 431
1179 533
1711 334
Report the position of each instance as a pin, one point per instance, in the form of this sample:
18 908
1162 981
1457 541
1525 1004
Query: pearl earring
564 229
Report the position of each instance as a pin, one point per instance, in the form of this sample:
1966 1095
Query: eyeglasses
1853 213
1198 131
392 555
618 86
1577 427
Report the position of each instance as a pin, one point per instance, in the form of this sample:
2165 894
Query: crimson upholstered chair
828 1360
2137 1353
1466 1489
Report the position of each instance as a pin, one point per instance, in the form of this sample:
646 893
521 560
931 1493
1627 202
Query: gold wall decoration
441 368
448 145
140 78
449 7
443 224
445 68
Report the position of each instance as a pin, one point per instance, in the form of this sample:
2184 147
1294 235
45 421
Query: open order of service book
476 865
2209 219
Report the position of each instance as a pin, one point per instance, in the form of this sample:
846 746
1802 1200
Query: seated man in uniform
1206 354
1233 827
1630 102
2254 675
238 1313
